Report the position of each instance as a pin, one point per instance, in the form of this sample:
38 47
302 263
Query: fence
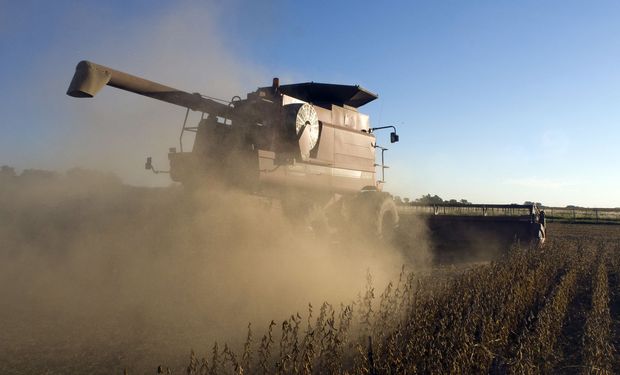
583 215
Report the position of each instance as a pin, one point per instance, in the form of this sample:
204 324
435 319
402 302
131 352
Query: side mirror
148 164
393 137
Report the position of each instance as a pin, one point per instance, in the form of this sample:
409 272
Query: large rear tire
374 215
387 221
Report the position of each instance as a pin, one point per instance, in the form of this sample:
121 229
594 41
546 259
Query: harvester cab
306 144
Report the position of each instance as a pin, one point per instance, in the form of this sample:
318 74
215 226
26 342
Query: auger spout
89 79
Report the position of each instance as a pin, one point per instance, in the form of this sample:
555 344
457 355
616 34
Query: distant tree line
430 199
527 203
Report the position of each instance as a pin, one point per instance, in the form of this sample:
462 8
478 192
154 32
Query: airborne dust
96 275
99 274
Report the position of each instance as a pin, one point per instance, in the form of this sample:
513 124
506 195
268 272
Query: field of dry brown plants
554 310
96 277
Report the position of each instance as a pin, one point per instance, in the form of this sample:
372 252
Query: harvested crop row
614 304
597 348
535 347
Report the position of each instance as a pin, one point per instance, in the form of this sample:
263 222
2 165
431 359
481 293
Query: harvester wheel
317 221
375 214
387 220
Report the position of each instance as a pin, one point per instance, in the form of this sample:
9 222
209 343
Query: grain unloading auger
305 144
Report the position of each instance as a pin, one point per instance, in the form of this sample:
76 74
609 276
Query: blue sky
495 101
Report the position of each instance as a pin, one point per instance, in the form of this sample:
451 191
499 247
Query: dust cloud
96 272
97 275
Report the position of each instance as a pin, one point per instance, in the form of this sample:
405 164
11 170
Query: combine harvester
304 144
